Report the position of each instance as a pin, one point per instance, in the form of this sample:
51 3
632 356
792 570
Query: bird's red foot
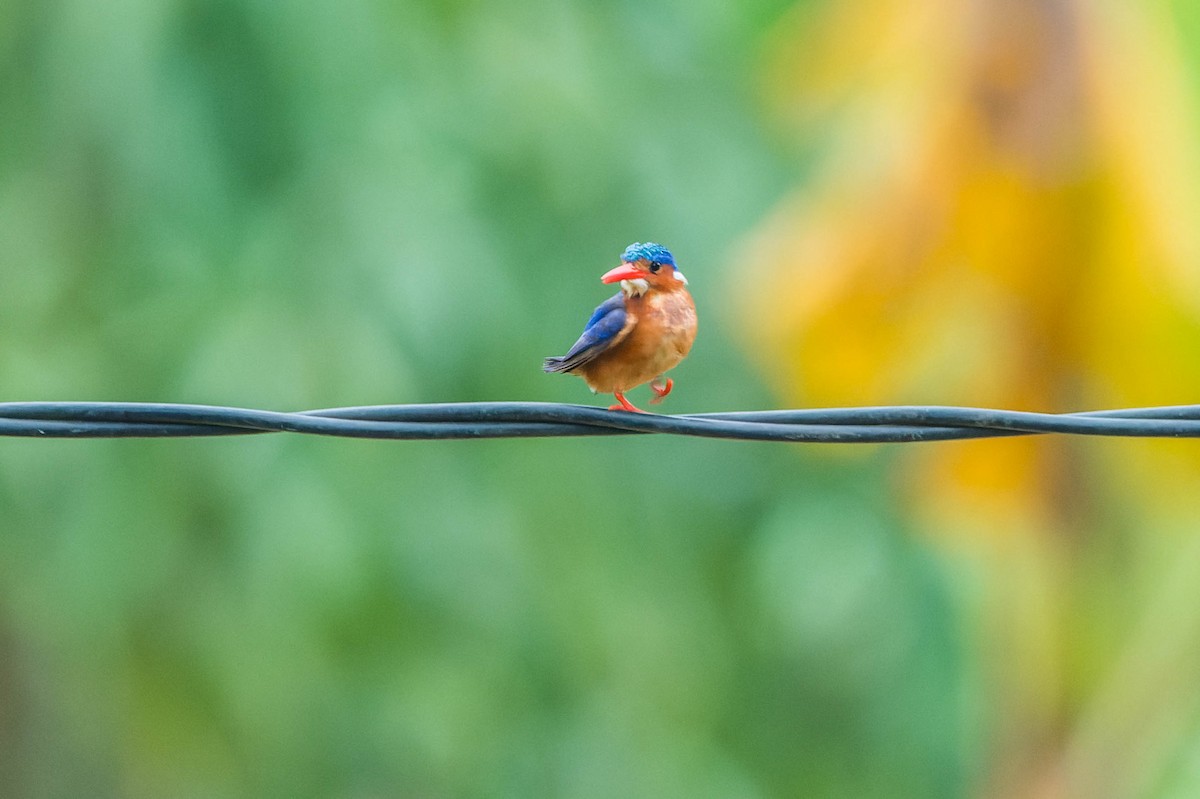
624 404
660 389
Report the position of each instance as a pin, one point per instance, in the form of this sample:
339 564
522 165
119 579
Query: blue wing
603 330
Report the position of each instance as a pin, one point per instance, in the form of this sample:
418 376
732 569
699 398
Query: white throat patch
634 288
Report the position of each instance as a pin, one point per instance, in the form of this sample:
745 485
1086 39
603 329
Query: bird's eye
654 267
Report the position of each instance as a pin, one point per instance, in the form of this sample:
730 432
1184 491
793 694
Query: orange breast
664 327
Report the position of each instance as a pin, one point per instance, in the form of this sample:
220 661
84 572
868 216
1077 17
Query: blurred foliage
1003 213
297 206
301 206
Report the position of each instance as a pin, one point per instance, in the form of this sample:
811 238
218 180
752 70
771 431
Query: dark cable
540 419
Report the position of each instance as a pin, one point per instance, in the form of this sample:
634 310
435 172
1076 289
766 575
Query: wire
542 419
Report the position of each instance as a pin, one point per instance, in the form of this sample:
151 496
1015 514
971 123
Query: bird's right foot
624 404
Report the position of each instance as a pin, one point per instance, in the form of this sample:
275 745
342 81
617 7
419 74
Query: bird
639 333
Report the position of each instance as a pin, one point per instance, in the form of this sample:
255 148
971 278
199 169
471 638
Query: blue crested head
654 253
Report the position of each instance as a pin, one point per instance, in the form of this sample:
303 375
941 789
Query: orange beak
622 272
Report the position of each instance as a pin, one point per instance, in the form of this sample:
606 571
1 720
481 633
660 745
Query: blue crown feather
654 253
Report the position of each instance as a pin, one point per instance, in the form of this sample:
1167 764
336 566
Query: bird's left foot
660 389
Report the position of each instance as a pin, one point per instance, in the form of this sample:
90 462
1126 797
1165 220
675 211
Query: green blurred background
293 206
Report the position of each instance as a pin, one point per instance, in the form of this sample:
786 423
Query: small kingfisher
639 333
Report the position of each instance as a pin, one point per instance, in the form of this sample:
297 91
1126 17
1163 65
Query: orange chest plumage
659 330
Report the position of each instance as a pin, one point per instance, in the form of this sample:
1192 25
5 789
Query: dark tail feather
554 364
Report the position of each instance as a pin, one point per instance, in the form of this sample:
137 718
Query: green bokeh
294 206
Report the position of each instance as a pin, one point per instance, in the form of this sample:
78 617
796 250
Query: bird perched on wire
638 334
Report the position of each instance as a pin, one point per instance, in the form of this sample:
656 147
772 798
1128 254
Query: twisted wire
467 420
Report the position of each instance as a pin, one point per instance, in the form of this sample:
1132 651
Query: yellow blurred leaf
1004 214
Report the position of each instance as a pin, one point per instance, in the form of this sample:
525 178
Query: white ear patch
679 276
635 287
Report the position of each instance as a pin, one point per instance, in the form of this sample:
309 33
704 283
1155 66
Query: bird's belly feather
660 339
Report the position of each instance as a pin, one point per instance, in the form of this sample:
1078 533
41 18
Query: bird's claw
661 389
624 404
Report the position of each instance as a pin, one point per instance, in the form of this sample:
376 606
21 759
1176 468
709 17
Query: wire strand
464 420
